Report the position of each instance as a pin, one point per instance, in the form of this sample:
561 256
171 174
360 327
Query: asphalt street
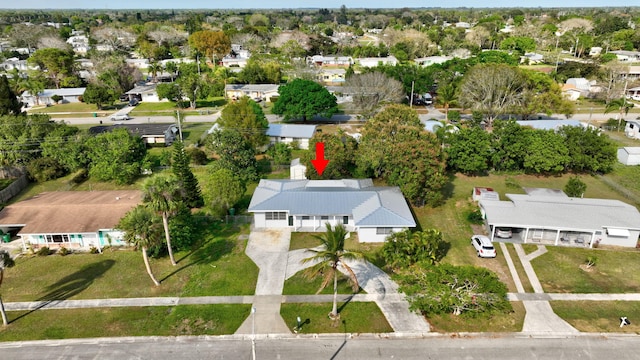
450 346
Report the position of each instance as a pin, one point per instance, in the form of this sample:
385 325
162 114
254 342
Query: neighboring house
151 134
237 58
297 171
330 61
332 76
69 95
14 63
627 56
71 219
79 43
633 93
145 93
570 92
634 72
552 124
289 133
254 91
375 61
632 129
550 217
306 205
595 51
138 63
581 84
629 155
532 58
431 60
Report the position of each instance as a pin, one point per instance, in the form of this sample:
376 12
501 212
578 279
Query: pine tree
181 169
9 103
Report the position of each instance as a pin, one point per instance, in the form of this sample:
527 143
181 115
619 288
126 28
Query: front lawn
511 322
599 316
562 270
126 321
355 317
298 284
218 267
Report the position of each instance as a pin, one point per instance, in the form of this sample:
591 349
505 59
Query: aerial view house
254 91
373 212
145 93
71 219
69 95
550 217
375 61
289 133
151 134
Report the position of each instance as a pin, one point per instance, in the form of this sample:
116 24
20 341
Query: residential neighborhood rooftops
369 205
252 87
291 130
550 124
70 211
59 92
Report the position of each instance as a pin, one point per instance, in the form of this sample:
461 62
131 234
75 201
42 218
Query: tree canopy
247 117
303 99
115 156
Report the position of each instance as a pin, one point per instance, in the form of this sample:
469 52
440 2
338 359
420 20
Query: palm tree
154 69
327 259
141 229
5 262
446 96
163 195
621 105
171 68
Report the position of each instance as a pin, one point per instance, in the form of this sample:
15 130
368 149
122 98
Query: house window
306 217
383 231
630 126
275 216
324 218
57 238
345 220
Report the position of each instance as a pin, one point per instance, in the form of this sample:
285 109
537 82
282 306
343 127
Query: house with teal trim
77 220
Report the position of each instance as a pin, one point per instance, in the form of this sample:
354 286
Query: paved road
465 346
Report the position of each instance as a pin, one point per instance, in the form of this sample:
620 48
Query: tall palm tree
154 69
163 195
446 96
172 68
5 262
141 229
621 105
327 259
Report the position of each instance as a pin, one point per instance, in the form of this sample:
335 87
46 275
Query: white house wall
370 235
630 241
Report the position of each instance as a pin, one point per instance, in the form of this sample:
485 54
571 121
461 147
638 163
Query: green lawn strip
219 267
511 322
298 284
303 240
599 316
524 279
126 321
528 248
562 270
355 317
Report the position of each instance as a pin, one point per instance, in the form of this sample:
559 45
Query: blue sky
279 4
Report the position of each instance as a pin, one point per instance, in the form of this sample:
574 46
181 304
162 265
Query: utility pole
179 125
411 100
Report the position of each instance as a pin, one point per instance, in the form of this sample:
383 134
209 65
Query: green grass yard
126 321
599 316
355 317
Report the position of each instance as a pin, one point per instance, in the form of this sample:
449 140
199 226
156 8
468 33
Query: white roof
558 212
291 131
632 150
370 206
550 124
60 92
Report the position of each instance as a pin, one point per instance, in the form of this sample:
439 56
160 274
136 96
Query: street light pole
253 333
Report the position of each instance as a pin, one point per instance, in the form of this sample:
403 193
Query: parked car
484 247
118 117
504 233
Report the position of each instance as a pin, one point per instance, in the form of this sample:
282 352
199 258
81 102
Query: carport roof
555 212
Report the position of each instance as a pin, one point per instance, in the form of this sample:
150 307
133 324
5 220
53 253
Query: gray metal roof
550 124
252 87
291 131
369 205
60 92
141 89
558 212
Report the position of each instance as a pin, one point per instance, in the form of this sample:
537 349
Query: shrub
196 155
45 168
404 248
63 251
475 217
56 98
79 177
591 261
511 182
43 251
454 116
94 250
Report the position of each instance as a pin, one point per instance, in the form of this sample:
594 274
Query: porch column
315 225
593 237
526 235
557 237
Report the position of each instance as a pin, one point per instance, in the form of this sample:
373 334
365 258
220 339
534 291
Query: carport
563 221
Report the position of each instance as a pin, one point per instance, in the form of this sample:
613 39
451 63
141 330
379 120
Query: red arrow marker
320 163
